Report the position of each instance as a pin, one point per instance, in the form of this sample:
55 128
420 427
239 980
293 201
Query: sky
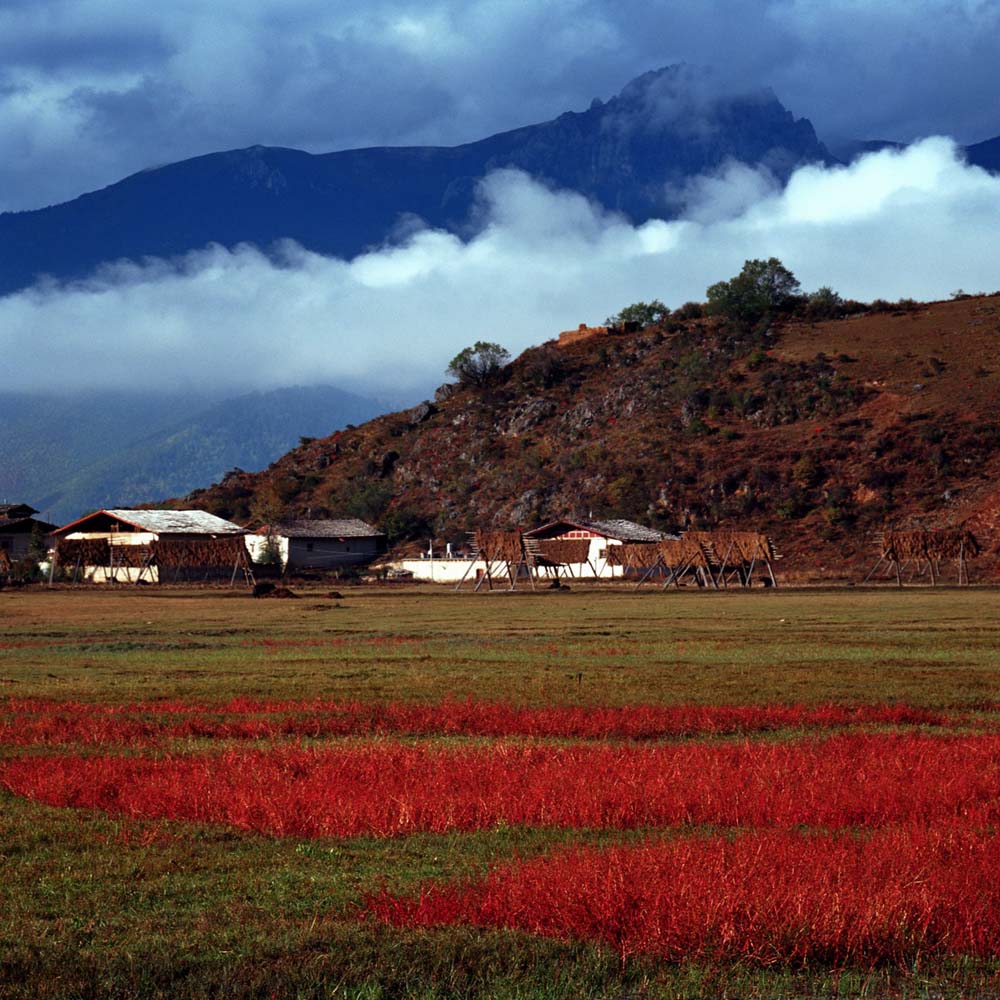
92 90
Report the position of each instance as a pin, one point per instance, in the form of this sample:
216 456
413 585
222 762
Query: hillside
819 433
660 130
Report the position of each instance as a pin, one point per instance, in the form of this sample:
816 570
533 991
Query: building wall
16 545
598 556
452 570
439 570
330 553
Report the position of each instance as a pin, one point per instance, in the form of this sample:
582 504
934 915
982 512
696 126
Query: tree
641 313
762 287
478 365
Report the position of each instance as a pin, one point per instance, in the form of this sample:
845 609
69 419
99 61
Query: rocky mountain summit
627 154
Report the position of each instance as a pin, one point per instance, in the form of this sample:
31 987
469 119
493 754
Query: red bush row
39 723
387 788
902 895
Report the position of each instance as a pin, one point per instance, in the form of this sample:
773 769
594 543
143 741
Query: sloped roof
625 531
163 522
19 525
338 527
620 529
12 510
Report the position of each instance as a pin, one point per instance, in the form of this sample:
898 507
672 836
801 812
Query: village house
118 544
443 566
18 526
332 543
600 535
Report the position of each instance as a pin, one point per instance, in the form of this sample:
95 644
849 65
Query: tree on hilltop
761 288
478 365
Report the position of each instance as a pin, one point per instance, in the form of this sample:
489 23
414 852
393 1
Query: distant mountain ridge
662 129
117 449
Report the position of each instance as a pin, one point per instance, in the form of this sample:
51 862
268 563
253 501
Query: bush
762 287
643 314
690 310
824 303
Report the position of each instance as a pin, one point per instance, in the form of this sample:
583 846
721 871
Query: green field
92 905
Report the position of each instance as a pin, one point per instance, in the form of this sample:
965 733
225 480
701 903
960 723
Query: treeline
763 290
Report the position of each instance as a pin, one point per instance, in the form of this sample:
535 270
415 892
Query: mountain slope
120 449
820 433
662 129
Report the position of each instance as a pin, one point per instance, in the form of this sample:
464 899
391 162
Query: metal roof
342 527
163 522
620 529
625 531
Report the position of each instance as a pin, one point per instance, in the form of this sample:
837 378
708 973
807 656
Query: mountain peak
664 128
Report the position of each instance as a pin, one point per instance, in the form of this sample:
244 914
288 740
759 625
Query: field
407 793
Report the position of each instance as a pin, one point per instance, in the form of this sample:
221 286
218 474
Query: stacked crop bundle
564 552
83 552
634 555
948 543
500 546
222 553
130 556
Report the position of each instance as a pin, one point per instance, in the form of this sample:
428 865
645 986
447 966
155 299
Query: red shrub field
387 788
768 897
31 722
841 845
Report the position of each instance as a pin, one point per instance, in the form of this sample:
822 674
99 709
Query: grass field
114 894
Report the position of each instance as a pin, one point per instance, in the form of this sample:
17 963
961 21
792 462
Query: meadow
407 792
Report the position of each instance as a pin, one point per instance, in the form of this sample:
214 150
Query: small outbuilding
331 543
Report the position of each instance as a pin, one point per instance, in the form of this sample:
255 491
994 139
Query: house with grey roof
116 544
601 535
312 543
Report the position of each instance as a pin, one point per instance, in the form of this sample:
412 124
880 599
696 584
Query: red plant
768 898
387 789
31 723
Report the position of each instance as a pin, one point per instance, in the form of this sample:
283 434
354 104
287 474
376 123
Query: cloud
92 90
917 223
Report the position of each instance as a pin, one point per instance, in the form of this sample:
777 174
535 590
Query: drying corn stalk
713 558
558 553
926 549
202 557
505 548
634 555
81 553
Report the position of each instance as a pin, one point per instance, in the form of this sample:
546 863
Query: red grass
31 723
387 789
767 898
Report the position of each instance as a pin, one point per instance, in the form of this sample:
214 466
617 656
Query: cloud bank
918 223
92 90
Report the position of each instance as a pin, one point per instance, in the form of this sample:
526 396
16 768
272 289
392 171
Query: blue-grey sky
92 90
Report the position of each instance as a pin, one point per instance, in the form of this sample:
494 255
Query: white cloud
918 223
